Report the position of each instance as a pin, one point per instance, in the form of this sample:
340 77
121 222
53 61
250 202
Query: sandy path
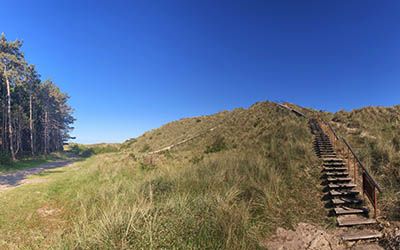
10 180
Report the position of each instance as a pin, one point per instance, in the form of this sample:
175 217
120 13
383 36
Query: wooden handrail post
362 180
346 154
355 170
375 203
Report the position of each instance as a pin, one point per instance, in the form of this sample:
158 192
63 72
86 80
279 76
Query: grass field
227 189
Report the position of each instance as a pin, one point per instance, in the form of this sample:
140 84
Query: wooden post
334 142
375 202
362 171
355 170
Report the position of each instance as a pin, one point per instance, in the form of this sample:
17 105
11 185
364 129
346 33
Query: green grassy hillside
243 174
374 132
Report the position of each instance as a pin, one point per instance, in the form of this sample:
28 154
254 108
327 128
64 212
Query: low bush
217 146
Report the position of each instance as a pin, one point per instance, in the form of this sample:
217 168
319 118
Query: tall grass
231 198
264 176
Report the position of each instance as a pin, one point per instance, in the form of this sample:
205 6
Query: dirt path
311 237
14 179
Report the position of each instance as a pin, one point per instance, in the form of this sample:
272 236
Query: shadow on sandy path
16 178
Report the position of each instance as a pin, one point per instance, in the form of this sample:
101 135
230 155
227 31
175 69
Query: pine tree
35 116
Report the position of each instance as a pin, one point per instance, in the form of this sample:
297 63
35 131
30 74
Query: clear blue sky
130 66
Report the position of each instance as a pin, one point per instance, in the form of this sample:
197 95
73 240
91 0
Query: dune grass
228 189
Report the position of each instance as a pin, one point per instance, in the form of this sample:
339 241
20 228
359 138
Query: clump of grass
145 148
218 145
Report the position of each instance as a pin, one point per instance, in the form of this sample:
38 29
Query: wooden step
322 155
326 153
343 185
333 164
339 179
334 169
325 156
336 166
323 146
337 173
348 210
346 201
332 159
346 221
361 235
343 192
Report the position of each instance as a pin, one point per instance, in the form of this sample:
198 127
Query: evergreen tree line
35 118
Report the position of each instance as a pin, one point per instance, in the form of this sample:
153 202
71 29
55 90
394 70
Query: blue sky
130 66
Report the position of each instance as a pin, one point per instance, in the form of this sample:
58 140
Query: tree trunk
31 125
46 132
10 129
4 145
18 135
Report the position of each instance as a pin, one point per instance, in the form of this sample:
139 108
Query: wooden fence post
375 202
355 170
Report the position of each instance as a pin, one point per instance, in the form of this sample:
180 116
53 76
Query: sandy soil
309 237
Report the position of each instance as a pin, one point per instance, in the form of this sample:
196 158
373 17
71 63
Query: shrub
396 143
145 148
132 156
81 150
147 164
5 158
161 186
196 159
218 145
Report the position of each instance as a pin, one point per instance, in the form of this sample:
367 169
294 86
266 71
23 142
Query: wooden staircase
343 196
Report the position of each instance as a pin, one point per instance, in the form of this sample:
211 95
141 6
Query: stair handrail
333 131
292 110
361 165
